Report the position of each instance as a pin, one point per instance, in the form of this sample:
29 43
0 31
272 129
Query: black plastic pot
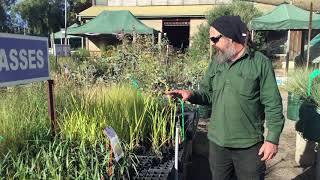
309 121
161 171
150 167
190 123
205 111
153 167
293 104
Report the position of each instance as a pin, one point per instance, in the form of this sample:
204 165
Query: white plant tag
115 143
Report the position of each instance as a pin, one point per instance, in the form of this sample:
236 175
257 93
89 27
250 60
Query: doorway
177 31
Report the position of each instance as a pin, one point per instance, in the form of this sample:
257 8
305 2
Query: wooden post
309 35
110 161
51 107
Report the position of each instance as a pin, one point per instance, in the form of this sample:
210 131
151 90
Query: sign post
51 107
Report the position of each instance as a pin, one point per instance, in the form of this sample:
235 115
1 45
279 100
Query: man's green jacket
243 95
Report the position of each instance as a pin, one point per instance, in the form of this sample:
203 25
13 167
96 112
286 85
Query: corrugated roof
152 11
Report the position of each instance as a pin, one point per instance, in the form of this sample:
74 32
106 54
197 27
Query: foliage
23 116
51 13
162 120
245 10
60 159
316 93
82 114
81 55
297 84
123 89
131 114
5 19
155 69
75 7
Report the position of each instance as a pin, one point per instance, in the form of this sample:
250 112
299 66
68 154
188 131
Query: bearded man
240 86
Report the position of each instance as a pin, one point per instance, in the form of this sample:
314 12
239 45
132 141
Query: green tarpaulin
113 22
314 50
285 17
315 40
59 35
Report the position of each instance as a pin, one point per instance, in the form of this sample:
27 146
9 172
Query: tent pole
309 35
159 40
65 23
82 42
302 48
52 40
252 34
288 51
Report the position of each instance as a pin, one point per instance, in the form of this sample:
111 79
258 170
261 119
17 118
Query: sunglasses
215 39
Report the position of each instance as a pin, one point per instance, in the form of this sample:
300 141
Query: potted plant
297 87
309 111
304 107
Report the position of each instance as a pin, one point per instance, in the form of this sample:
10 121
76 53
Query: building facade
177 19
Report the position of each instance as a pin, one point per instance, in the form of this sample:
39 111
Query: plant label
115 143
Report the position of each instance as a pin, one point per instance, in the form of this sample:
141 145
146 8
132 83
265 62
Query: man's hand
268 150
184 94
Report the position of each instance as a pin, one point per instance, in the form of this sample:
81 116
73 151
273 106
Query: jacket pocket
217 81
247 86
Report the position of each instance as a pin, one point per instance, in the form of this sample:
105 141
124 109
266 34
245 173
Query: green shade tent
314 50
315 40
285 17
112 22
60 35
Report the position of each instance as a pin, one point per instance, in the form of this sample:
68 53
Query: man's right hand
184 94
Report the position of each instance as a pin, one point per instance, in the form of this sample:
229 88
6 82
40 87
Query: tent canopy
113 22
285 17
314 50
315 40
59 35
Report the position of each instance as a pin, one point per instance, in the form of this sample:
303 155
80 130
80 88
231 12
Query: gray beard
222 57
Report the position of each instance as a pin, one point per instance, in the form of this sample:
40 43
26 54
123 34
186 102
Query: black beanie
231 27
